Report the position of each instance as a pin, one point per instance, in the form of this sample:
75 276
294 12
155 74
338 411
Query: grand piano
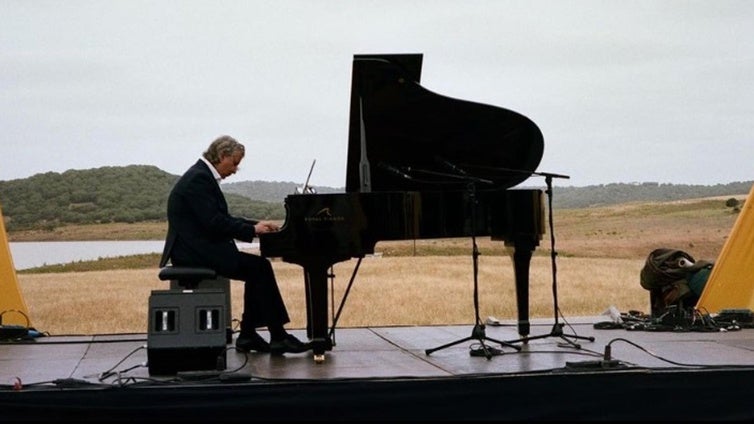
420 165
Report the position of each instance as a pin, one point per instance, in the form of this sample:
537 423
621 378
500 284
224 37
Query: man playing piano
201 233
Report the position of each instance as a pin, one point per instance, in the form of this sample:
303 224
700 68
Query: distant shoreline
34 254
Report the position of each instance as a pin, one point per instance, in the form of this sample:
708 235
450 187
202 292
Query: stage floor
82 363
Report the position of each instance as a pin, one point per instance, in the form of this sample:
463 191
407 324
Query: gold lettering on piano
324 215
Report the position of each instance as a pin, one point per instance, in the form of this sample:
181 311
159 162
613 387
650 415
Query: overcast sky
623 91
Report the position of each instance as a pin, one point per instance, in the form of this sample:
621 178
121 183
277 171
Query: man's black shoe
250 342
290 344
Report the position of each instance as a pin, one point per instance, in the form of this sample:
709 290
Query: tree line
134 193
138 193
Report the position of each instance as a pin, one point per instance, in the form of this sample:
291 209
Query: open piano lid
398 125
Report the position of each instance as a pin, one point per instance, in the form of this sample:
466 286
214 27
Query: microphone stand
478 332
557 328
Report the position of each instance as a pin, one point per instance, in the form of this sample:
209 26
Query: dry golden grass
600 254
109 231
387 291
632 230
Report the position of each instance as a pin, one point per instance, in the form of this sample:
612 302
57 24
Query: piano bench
188 277
196 278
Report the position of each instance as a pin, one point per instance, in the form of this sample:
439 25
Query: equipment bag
668 272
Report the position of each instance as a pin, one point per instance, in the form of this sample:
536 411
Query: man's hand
263 227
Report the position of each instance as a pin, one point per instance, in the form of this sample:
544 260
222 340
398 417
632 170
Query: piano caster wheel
319 358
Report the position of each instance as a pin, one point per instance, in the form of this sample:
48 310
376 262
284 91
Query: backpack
667 274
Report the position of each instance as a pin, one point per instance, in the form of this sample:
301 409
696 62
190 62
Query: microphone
393 170
450 166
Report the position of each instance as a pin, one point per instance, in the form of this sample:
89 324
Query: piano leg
315 280
521 254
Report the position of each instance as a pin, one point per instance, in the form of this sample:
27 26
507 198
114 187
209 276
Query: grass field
600 252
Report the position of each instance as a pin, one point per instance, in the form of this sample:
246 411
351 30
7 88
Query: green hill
128 194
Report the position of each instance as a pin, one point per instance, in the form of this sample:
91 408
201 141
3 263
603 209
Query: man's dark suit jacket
201 232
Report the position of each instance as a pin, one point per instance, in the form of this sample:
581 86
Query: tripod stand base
477 333
557 331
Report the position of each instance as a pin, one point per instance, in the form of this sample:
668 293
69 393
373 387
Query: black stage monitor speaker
217 283
187 331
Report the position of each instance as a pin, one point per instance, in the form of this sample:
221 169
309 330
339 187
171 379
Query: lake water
33 254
